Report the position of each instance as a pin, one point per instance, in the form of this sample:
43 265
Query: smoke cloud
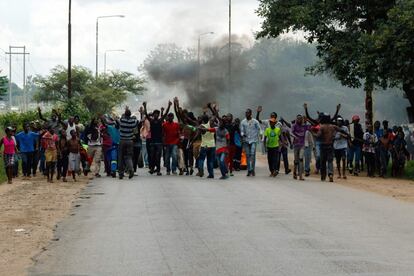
270 73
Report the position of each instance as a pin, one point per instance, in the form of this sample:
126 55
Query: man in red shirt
171 131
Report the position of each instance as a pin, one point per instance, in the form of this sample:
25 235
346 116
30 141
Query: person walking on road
127 125
26 143
298 132
271 141
171 132
9 153
341 148
250 132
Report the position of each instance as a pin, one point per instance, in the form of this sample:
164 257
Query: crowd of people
184 142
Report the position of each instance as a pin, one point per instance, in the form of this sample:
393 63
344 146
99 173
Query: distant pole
70 52
105 62
230 80
198 65
10 53
10 78
96 50
24 80
97 39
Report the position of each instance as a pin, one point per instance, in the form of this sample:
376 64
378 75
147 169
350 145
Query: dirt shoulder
397 188
29 213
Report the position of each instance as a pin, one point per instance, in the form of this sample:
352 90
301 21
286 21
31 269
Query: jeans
308 159
283 154
171 157
36 158
340 155
354 152
62 165
318 155
210 154
27 162
144 153
155 157
107 158
273 159
250 150
125 156
326 160
222 163
135 156
384 155
370 161
188 155
298 161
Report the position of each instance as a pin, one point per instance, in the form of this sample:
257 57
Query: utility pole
10 53
230 80
70 52
24 80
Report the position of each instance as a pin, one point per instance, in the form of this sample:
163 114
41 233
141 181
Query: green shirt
272 137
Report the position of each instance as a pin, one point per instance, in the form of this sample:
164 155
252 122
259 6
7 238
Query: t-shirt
114 133
340 141
299 132
207 139
272 137
222 135
171 133
69 129
156 131
126 127
370 140
27 141
49 141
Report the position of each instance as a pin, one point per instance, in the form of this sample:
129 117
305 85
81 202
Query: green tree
4 82
394 40
343 32
98 96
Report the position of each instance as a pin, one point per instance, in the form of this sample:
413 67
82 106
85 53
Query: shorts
340 154
51 155
8 160
74 162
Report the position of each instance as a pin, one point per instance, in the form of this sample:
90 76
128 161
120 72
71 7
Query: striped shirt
126 127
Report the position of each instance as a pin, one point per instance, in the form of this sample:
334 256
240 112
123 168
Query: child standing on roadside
50 144
74 148
9 153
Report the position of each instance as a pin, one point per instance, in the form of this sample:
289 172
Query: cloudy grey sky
41 25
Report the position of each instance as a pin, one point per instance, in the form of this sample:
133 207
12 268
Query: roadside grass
3 176
409 170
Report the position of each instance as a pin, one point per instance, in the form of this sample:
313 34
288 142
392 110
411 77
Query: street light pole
70 52
230 88
118 50
199 59
97 39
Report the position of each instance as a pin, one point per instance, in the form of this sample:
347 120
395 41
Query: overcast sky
41 25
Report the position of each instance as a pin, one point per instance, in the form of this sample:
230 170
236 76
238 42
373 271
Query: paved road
245 226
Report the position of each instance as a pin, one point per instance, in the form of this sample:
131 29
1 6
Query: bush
18 119
409 170
72 108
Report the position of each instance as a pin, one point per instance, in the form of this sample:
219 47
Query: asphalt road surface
244 226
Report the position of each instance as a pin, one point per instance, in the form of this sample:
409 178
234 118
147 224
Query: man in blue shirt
26 143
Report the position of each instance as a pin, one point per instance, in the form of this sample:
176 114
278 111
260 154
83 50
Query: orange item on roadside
243 161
